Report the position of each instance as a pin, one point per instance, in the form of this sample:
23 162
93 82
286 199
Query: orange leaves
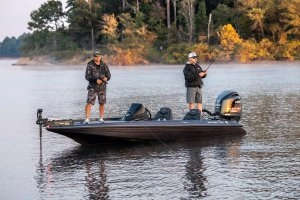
229 38
127 56
109 26
249 50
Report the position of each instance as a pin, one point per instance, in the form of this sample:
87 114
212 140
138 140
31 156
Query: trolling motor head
229 105
40 121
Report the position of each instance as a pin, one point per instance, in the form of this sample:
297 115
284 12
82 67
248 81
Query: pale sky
15 14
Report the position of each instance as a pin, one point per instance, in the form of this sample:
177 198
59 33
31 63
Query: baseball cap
97 53
193 54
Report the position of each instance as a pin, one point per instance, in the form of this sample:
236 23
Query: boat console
163 114
193 114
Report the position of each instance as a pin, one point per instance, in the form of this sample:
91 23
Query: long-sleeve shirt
94 72
191 75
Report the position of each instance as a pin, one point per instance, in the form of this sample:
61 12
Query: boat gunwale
161 124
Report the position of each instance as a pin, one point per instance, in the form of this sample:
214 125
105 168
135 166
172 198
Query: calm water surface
264 164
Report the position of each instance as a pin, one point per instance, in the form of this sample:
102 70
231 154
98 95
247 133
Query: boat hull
145 131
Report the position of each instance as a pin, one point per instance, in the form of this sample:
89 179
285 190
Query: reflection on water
96 180
194 173
263 164
148 171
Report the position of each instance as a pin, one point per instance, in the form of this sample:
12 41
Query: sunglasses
194 57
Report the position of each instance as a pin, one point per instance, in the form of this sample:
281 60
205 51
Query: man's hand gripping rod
102 79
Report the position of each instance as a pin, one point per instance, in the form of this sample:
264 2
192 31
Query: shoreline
49 61
46 61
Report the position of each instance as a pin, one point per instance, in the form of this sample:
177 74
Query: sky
15 14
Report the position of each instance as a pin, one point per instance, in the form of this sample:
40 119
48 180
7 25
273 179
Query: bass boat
138 125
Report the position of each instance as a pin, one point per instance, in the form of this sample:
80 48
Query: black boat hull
145 131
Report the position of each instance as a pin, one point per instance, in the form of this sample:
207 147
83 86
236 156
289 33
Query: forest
132 32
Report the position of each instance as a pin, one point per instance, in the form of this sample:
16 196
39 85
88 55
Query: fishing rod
102 79
212 62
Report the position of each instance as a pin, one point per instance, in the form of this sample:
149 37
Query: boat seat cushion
163 114
193 114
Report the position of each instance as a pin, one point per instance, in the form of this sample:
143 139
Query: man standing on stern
193 75
97 74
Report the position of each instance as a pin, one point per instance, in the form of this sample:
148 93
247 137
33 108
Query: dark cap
97 53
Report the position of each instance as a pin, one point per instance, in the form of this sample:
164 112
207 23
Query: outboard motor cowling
137 112
229 105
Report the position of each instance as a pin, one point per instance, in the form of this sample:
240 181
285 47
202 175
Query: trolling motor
40 121
228 106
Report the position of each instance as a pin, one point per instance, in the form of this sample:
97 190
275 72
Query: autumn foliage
140 32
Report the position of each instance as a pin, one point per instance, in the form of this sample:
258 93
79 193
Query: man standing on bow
97 74
193 75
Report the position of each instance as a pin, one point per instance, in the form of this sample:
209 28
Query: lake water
263 164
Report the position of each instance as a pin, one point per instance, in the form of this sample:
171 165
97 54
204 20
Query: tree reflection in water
79 164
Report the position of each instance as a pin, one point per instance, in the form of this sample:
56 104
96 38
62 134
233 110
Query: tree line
142 31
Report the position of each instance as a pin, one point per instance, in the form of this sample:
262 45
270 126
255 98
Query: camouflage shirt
94 72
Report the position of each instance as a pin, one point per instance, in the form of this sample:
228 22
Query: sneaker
87 120
100 120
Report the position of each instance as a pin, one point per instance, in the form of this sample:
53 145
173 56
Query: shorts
92 94
193 95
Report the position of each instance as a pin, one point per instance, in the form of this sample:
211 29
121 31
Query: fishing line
153 134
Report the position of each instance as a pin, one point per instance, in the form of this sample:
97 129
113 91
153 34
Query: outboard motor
137 112
229 105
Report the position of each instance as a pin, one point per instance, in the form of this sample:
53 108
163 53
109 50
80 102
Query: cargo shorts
92 94
193 95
